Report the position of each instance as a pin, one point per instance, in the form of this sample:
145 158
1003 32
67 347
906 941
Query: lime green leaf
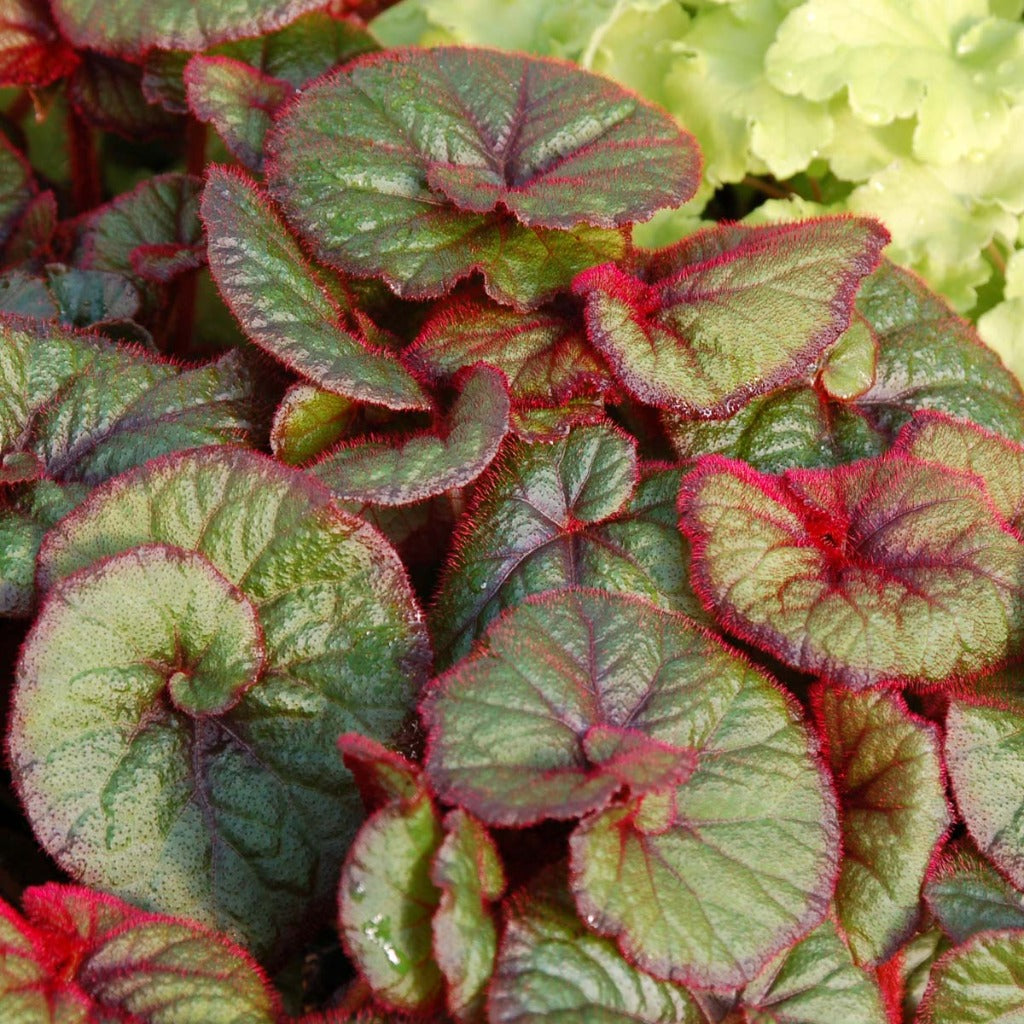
84 957
978 982
966 895
551 970
849 368
153 231
239 817
888 770
284 307
415 199
308 421
685 892
729 313
120 28
985 758
964 446
566 701
955 69
237 100
386 901
816 982
557 514
468 872
718 84
544 355
886 569
425 464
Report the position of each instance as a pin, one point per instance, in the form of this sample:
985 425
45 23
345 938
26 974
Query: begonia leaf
57 408
17 187
284 307
795 426
56 402
552 970
884 569
153 231
425 464
32 51
979 981
888 770
985 758
237 100
87 297
413 194
963 445
467 871
566 702
966 895
308 421
551 515
930 358
108 92
386 901
238 817
680 879
301 51
544 355
121 28
552 423
731 312
33 234
915 963
816 982
83 957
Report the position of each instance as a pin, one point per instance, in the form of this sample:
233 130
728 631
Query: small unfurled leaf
731 312
426 464
966 895
999 462
545 356
850 364
284 307
84 957
551 969
979 981
386 901
238 100
308 421
381 775
888 770
511 169
914 967
32 51
985 758
816 982
884 569
565 703
467 871
557 515
680 878
153 231
121 28
218 793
